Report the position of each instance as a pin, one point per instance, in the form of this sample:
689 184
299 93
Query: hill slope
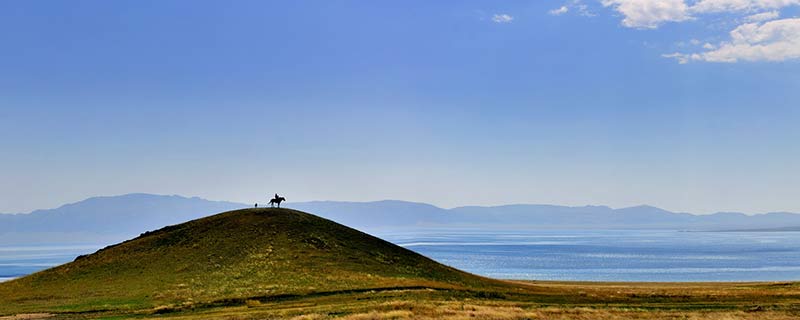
233 255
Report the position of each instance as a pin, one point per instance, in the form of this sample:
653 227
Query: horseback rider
277 200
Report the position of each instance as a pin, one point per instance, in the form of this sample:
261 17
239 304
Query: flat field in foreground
528 300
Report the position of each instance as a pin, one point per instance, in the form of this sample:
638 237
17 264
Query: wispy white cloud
761 35
502 18
764 16
710 6
691 42
681 57
776 40
576 6
559 11
583 9
649 14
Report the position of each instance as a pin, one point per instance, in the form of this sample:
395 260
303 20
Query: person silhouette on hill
277 200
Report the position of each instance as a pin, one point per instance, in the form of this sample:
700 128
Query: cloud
584 10
649 14
776 40
681 57
559 11
764 16
711 6
573 5
502 18
761 35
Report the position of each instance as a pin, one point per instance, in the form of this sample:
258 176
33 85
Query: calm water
615 255
19 260
556 255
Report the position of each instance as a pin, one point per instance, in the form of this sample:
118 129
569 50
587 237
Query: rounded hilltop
241 254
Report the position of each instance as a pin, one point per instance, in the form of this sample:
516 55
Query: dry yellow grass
29 316
500 311
669 301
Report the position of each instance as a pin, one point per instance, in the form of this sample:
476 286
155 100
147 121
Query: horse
277 201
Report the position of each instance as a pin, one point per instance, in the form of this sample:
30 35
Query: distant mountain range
391 213
102 220
105 220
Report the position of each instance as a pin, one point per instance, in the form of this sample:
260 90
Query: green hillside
281 263
229 257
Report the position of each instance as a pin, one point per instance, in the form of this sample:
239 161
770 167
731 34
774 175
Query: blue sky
686 105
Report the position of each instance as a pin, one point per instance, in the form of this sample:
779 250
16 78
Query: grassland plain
282 263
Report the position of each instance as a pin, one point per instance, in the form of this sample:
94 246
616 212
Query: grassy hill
233 256
282 263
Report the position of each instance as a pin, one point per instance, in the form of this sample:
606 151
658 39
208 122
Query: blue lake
606 255
614 255
17 261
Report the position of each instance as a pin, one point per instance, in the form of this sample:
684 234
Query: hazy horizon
288 204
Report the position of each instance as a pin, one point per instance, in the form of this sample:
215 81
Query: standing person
256 204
